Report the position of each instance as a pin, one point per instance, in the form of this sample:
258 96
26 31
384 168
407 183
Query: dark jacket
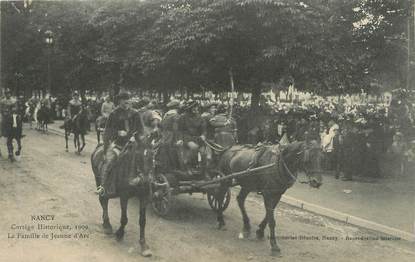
120 119
191 127
8 129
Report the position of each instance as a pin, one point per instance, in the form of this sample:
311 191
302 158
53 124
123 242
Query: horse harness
280 164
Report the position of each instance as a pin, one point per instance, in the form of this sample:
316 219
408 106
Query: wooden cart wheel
215 203
161 198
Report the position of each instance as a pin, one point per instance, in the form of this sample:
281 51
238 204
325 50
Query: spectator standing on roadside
350 149
329 142
107 107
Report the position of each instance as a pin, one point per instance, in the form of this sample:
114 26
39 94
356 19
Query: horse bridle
290 173
284 165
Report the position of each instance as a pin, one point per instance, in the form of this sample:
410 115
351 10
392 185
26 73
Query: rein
287 169
215 147
290 173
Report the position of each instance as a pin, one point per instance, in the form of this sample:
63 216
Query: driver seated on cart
122 124
192 130
222 134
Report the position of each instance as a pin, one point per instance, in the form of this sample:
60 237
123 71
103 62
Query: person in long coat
6 105
12 129
351 152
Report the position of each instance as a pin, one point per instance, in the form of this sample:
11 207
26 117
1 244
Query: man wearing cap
351 152
170 135
192 131
122 123
7 103
169 124
6 109
207 116
74 107
107 107
13 130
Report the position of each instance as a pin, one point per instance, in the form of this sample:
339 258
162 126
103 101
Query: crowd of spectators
356 138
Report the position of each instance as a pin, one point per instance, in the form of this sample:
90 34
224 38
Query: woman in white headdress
328 147
327 141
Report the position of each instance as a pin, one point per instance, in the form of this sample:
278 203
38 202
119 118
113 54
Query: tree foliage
323 46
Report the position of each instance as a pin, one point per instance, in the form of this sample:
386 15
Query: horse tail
97 157
97 122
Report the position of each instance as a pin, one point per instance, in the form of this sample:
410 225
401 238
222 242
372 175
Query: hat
313 117
155 115
335 127
221 109
399 134
173 103
143 102
189 105
361 121
123 96
214 103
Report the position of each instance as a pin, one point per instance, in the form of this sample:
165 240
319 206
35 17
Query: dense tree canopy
323 46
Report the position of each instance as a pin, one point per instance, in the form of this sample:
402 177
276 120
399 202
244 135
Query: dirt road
47 180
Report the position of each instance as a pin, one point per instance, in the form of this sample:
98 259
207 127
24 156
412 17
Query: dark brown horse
77 126
133 159
43 118
272 182
100 127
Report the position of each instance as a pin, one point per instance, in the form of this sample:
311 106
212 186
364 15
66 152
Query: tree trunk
277 95
232 90
166 96
82 93
116 89
256 95
187 93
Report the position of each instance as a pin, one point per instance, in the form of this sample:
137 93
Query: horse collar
287 169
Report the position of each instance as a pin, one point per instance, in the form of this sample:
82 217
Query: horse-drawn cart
166 186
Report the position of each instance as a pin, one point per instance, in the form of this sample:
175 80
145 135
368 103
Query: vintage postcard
207 130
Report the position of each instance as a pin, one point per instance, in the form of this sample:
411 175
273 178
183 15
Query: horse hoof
107 229
147 253
276 252
260 235
119 235
222 227
244 235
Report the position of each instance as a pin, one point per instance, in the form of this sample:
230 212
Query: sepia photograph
207 130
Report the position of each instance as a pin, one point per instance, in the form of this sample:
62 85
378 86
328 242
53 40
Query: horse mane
293 147
298 146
